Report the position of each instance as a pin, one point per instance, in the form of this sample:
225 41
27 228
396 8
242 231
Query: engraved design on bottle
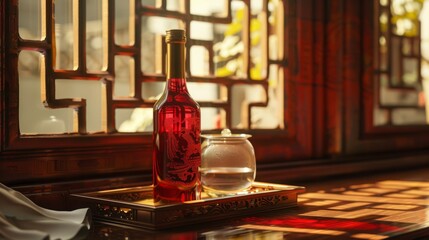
183 157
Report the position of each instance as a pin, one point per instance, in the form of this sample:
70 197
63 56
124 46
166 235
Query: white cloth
20 218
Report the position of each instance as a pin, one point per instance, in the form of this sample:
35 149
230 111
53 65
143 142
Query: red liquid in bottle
176 135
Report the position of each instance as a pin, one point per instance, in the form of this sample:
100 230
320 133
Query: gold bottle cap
176 36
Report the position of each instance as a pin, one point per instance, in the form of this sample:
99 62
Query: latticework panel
97 65
400 69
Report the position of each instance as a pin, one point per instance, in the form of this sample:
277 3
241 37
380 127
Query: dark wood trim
55 194
334 65
42 167
59 142
2 72
315 169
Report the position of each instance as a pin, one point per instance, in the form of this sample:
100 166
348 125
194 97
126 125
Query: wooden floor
383 206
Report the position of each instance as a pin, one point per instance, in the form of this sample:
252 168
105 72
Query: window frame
67 156
359 135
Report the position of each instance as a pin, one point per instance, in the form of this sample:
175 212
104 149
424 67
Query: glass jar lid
226 135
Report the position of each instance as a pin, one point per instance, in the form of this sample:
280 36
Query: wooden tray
135 206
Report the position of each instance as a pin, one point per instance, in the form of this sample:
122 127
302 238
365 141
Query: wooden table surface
383 206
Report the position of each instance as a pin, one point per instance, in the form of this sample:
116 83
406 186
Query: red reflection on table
298 222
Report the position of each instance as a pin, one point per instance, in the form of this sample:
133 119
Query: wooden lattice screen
261 59
398 63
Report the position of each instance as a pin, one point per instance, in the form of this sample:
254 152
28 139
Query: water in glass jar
226 180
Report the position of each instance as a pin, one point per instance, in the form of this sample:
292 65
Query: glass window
88 61
402 66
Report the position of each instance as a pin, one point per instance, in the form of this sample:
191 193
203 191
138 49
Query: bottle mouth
175 36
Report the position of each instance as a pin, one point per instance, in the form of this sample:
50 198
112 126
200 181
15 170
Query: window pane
209 8
151 46
176 5
401 68
124 76
124 22
83 89
152 90
65 54
95 45
134 120
33 116
151 3
30 19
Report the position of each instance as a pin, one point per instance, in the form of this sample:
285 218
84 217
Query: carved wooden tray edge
127 205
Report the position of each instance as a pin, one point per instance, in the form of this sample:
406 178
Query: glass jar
228 164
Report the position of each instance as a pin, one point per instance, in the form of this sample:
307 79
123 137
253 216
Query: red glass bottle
176 131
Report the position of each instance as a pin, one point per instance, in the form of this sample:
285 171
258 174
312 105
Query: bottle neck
175 60
176 66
